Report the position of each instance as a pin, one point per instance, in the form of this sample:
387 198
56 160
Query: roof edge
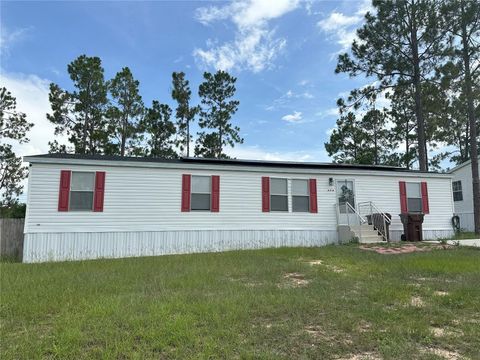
44 158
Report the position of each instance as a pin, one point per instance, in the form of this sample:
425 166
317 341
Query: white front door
345 190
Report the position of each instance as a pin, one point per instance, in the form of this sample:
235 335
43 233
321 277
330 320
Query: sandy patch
368 355
417 301
444 353
333 268
295 280
440 332
364 326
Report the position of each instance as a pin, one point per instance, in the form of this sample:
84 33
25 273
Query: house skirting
41 247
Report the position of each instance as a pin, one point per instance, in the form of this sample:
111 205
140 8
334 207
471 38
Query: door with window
345 190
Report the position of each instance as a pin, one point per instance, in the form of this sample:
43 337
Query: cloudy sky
283 53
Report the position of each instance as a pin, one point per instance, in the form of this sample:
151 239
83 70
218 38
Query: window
457 191
81 191
201 193
278 194
300 196
345 195
414 197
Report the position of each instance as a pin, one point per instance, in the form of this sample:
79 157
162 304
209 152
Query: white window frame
458 191
307 196
421 199
201 193
70 191
287 194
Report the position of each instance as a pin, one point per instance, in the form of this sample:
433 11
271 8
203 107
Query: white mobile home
463 194
86 207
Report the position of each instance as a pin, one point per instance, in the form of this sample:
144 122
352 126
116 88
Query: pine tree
80 113
464 25
217 110
159 131
124 113
13 126
184 113
400 42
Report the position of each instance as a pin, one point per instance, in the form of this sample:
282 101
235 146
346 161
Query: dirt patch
417 301
403 249
329 267
315 262
440 293
444 353
364 326
441 332
295 280
368 355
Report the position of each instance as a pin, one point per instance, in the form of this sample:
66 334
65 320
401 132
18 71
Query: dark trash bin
412 226
376 219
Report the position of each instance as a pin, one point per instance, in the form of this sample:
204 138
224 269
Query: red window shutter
425 206
313 196
215 193
186 180
99 191
64 191
265 194
403 197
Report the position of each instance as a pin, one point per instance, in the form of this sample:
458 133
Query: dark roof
234 162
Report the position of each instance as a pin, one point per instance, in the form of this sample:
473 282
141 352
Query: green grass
465 236
241 305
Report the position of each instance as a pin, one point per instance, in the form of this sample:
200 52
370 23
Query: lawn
321 303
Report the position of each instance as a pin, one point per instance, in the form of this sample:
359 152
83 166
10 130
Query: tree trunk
472 125
188 137
422 154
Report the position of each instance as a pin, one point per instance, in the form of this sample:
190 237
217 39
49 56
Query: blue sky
283 53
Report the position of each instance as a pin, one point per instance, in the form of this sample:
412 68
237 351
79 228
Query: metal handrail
356 212
384 217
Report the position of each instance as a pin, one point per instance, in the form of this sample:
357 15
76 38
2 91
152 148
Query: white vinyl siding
149 199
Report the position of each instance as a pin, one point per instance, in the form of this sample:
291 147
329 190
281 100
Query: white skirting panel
41 247
395 235
466 221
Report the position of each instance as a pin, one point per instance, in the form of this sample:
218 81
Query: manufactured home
463 194
87 207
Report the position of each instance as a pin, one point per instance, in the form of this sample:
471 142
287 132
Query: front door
345 190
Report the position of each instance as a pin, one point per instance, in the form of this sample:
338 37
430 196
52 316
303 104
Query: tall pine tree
159 131
185 114
80 113
402 40
13 127
124 113
464 24
216 114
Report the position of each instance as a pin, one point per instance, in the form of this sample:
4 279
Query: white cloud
287 98
31 93
332 112
255 45
258 153
342 28
336 21
9 38
293 118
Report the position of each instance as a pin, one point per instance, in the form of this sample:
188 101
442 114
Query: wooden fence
11 238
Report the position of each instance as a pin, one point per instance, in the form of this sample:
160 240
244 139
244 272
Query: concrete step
370 239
